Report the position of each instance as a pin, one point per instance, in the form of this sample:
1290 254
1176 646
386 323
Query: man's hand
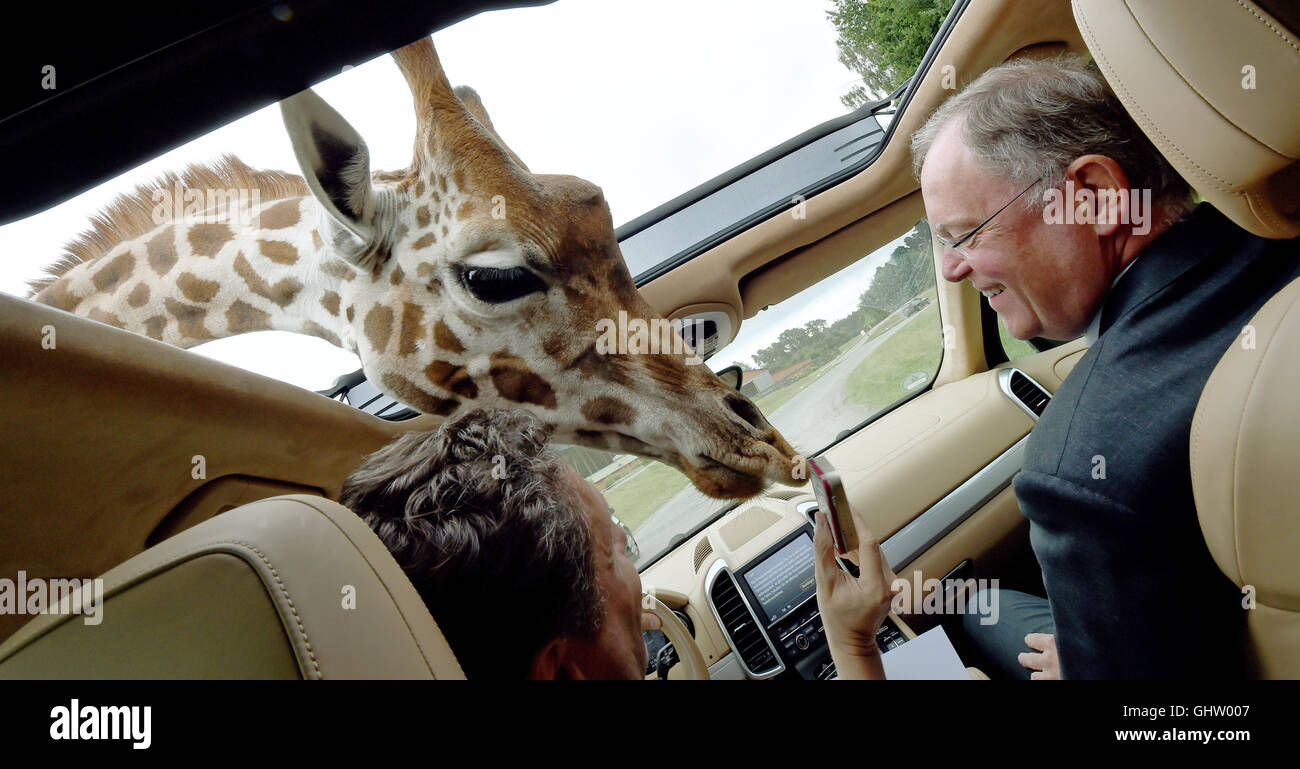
1045 664
852 609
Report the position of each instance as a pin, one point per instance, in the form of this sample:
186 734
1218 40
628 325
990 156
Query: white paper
928 657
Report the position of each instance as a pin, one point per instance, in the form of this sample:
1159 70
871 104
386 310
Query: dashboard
768 610
933 480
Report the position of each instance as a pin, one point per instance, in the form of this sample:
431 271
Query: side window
1014 348
817 364
901 341
301 360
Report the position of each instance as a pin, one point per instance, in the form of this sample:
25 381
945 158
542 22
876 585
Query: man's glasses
631 549
957 245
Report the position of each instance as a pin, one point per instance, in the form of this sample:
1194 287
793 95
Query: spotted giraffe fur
377 263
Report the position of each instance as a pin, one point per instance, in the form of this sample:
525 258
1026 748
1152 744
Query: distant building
757 382
788 370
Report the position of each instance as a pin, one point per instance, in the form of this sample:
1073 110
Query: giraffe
461 281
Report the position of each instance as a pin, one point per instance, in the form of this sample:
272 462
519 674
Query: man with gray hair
1051 201
515 554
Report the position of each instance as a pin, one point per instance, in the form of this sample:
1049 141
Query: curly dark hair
479 517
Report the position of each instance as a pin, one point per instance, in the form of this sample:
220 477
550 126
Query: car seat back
287 587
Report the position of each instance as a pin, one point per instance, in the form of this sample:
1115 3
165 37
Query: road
809 421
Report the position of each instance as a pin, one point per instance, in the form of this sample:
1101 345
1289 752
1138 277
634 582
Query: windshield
817 364
698 88
646 100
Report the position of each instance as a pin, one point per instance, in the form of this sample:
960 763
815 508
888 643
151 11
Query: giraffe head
469 281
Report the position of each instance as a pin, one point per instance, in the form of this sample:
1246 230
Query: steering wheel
692 660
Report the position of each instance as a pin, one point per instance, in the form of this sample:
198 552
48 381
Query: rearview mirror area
732 376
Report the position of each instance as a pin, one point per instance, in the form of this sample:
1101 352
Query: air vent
703 549
1026 393
742 629
1030 394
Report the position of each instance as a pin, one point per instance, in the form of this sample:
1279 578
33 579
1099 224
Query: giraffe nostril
746 411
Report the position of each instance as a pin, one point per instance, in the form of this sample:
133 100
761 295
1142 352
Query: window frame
902 98
840 437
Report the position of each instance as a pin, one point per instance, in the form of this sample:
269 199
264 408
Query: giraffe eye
501 284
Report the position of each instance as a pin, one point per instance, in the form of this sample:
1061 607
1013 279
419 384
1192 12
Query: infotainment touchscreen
784 579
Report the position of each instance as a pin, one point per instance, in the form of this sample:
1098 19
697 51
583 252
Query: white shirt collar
1094 328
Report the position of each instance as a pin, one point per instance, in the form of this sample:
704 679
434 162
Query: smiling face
1044 279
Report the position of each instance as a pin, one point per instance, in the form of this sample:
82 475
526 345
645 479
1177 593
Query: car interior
237 572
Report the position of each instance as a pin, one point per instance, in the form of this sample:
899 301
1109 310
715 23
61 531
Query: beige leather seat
286 587
1215 84
1245 455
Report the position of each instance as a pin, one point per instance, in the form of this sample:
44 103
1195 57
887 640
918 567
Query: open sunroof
675 232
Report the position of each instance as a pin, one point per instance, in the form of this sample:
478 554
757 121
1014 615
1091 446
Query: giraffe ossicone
463 280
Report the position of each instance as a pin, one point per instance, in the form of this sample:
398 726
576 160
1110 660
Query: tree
908 272
884 41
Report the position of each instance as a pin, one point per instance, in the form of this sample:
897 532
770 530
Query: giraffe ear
336 163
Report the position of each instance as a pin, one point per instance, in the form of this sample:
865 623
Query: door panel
896 470
101 433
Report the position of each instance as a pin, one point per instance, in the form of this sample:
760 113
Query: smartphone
831 499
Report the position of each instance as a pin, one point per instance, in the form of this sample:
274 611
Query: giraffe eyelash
497 285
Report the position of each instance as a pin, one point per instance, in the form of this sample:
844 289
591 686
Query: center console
768 611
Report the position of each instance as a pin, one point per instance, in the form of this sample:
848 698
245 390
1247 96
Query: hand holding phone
834 502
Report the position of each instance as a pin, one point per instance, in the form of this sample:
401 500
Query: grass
792 386
637 497
628 469
917 346
769 402
1014 348
885 325
852 341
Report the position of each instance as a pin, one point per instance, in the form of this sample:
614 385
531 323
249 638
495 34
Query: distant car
915 306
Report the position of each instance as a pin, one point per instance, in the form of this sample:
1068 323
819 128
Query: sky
646 100
831 299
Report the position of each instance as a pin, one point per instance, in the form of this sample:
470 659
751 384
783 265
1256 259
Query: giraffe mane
131 214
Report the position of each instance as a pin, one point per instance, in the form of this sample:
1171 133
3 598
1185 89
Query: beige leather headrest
1245 463
288 587
1215 84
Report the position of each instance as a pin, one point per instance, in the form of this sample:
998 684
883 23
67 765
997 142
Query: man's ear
1103 177
550 661
336 163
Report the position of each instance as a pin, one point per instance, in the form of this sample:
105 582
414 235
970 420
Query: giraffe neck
191 281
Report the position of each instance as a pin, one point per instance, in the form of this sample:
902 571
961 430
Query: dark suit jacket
1106 484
